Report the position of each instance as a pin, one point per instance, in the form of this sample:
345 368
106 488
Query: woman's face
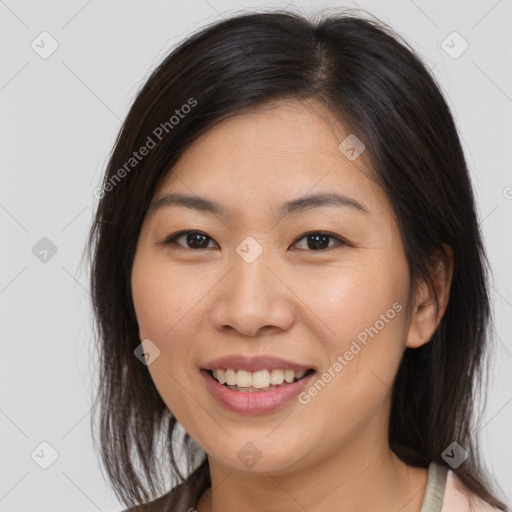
259 282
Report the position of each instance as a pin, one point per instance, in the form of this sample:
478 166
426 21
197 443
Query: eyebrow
293 206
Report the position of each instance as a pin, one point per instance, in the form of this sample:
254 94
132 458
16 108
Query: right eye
192 240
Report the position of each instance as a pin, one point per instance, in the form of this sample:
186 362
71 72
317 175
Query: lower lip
254 402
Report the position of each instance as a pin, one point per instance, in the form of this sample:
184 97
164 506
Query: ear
426 313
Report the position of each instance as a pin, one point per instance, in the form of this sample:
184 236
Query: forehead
275 153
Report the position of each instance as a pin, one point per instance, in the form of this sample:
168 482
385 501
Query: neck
342 480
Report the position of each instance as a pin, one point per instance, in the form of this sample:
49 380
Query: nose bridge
251 274
252 297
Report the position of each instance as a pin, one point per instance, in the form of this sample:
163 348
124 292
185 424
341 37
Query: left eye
315 241
320 240
195 238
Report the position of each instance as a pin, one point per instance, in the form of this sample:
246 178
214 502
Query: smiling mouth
263 380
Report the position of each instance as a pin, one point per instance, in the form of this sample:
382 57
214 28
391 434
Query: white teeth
244 379
289 375
261 379
300 374
231 377
277 377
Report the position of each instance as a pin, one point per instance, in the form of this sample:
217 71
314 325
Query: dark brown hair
375 84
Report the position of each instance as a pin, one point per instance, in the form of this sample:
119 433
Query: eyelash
172 240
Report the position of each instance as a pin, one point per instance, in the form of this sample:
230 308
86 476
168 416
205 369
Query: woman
287 264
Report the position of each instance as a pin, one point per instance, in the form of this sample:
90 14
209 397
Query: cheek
349 302
163 300
354 388
159 310
169 306
361 312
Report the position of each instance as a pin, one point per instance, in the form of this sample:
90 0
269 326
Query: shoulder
181 498
457 497
178 499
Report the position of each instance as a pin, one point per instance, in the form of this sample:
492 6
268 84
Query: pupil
192 242
316 243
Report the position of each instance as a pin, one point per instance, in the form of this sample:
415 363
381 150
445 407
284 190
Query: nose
252 299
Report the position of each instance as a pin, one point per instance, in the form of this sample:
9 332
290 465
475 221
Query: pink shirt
446 493
457 497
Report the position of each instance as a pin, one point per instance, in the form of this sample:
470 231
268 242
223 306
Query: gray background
60 116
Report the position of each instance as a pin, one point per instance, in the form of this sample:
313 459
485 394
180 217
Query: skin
293 302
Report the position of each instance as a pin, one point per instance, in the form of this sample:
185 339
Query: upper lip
254 364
